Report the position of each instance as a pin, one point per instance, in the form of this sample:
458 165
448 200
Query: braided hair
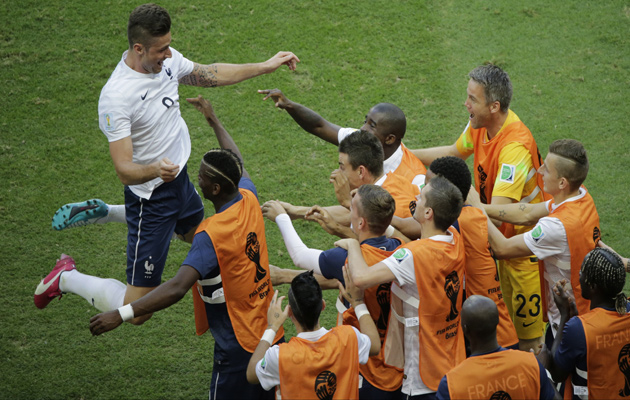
224 167
305 299
605 269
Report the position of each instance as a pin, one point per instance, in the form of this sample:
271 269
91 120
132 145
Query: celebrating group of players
416 241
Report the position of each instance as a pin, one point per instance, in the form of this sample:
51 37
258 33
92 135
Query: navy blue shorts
234 385
229 377
370 392
173 207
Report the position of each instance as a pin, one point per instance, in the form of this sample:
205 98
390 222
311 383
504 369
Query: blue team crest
507 173
400 255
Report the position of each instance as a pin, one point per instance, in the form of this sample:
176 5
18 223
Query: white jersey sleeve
268 369
114 115
547 239
344 133
401 265
181 65
364 346
302 256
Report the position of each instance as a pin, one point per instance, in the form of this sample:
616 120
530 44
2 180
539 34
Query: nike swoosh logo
530 324
42 287
145 95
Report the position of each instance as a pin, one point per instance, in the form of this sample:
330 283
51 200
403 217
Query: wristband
268 336
126 312
361 310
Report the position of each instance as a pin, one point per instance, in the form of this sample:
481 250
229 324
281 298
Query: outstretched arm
513 213
623 259
162 297
506 248
326 221
409 227
301 255
428 155
283 276
223 137
308 119
228 74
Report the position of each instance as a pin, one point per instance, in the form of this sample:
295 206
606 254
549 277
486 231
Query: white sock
104 294
116 213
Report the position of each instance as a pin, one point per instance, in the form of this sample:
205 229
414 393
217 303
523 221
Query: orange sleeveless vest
404 193
482 277
325 369
607 353
238 236
410 165
581 224
486 160
513 372
377 299
439 269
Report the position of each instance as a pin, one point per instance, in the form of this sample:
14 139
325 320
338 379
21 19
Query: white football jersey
146 107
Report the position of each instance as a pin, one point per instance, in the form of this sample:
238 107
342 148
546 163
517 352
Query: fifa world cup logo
382 298
482 185
252 249
500 395
451 287
412 207
624 367
325 385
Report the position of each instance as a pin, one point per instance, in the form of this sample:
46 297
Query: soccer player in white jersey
149 144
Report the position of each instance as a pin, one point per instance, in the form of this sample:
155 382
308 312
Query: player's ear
361 171
428 213
216 189
362 222
323 304
495 107
390 139
138 48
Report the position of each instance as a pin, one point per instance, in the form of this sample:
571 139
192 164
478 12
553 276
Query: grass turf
568 61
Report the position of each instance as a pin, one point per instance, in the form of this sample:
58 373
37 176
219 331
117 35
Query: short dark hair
393 118
225 168
365 149
573 164
147 22
455 170
377 207
496 83
305 299
605 269
445 200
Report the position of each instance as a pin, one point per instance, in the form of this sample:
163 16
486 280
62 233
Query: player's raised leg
87 212
103 294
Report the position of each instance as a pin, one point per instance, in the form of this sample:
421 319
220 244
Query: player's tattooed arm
221 74
517 213
202 76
